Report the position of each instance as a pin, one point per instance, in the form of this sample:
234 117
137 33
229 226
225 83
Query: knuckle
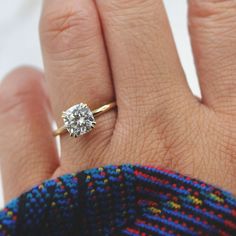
212 11
20 94
125 4
129 14
64 30
15 105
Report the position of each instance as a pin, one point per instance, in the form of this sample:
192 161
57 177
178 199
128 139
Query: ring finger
76 70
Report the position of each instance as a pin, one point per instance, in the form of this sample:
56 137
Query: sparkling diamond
78 120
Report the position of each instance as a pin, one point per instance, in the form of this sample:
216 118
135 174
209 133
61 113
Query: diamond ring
79 119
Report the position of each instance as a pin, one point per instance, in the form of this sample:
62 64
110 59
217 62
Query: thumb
27 149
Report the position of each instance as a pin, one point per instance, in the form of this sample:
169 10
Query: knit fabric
121 200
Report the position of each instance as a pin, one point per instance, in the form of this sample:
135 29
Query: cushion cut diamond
79 120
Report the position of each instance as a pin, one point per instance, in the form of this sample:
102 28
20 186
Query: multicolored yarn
121 200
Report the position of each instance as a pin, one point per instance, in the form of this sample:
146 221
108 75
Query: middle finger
146 70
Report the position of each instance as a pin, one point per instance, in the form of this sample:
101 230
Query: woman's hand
104 50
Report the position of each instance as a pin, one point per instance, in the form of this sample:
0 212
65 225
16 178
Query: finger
27 148
76 67
146 69
213 35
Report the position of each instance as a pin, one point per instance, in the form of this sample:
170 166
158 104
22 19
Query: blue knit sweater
121 200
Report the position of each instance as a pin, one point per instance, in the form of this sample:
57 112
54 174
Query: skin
104 50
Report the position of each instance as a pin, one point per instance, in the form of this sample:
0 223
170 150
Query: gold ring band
81 116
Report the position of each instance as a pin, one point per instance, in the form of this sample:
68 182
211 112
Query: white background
19 41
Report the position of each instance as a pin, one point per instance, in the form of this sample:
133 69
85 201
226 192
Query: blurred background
19 40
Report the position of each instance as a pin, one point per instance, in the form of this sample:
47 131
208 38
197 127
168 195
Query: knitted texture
121 200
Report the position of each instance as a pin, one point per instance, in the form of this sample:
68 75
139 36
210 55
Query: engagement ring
79 119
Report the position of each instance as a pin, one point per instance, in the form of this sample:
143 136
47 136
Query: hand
104 50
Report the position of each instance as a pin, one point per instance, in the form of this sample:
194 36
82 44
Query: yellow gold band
97 112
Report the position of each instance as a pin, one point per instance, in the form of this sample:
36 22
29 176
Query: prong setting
78 120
